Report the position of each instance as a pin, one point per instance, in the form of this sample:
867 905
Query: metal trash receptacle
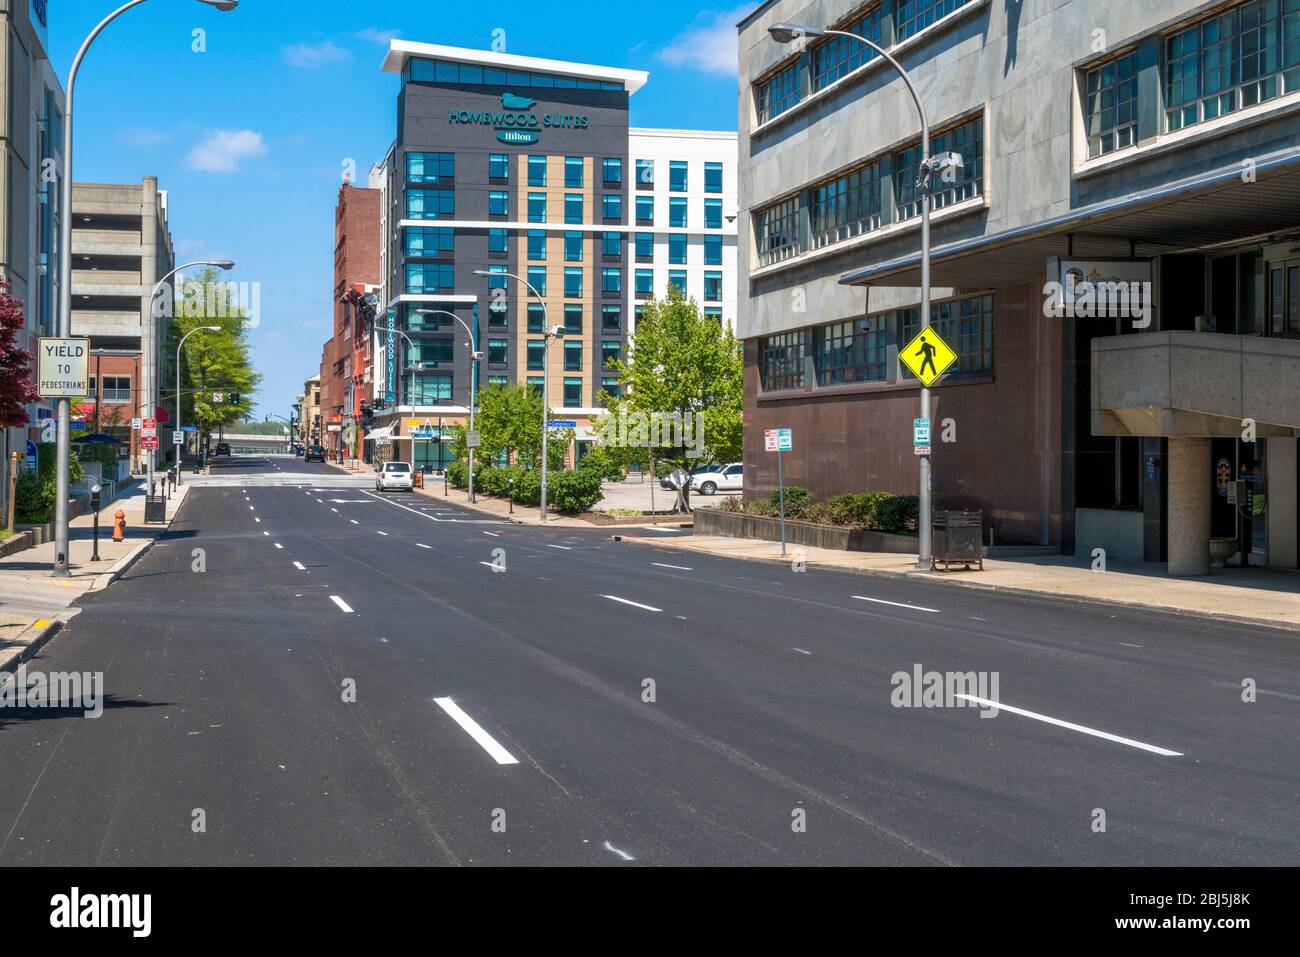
958 540
155 510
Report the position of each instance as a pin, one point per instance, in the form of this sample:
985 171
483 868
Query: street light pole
547 335
473 381
788 33
63 447
410 348
178 387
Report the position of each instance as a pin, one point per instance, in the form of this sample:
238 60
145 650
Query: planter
712 521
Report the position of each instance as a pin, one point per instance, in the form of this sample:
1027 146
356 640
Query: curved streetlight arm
907 79
473 385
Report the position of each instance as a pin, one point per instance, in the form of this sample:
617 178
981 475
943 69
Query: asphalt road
501 717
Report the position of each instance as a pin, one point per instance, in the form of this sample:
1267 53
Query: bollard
445 491
94 508
512 495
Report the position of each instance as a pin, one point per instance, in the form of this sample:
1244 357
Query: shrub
458 475
604 462
528 486
796 501
36 493
898 514
856 509
815 512
574 491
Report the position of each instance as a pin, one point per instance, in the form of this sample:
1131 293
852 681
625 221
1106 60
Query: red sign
149 443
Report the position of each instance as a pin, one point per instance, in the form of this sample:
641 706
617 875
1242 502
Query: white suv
394 475
731 478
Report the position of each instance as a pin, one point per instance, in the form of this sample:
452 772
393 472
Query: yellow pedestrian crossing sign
927 356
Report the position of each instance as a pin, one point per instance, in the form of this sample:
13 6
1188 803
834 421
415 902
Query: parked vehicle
315 453
394 475
223 448
667 481
731 478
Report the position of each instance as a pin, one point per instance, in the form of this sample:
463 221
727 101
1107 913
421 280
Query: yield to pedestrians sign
927 356
63 367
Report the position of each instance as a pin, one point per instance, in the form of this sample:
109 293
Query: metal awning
1199 212
384 434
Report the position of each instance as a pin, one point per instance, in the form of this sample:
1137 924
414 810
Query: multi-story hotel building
1148 143
526 166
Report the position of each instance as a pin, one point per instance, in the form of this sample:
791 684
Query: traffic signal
234 398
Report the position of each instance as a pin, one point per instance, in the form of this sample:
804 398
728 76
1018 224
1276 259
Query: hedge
881 511
573 491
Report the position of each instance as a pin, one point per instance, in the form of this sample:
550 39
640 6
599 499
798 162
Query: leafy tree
16 387
509 419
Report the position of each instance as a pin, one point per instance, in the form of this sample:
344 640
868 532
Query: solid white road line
898 604
343 606
302 568
634 604
422 545
488 564
802 652
565 548
1073 727
493 534
471 727
614 850
382 533
680 568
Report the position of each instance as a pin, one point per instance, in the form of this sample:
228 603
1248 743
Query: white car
394 475
731 478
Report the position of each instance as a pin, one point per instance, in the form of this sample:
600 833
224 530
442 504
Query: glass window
714 313
839 56
573 246
611 317
498 380
713 250
429 277
611 244
430 167
611 207
536 355
430 241
778 232
713 177
537 279
430 204
536 244
535 383
498 241
677 277
536 317
573 208
781 361
497 278
968 140
677 176
116 389
537 207
677 248
573 282
851 351
572 356
845 207
677 212
498 351
713 214
498 166
611 170
645 172
498 311
965 324
645 210
645 245
913 16
498 203
610 351
537 171
778 93
609 385
572 388
1110 106
611 280
429 351
432 389
573 319
713 287
573 172
644 282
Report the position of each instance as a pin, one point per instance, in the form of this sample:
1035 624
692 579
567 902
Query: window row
424 70
1238 58
882 191
428 389
828 59
643 284
865 350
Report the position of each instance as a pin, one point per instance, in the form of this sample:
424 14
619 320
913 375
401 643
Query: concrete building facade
1146 148
527 166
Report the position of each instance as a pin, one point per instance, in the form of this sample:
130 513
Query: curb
36 635
1012 590
122 564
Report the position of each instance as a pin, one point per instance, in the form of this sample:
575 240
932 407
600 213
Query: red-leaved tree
16 387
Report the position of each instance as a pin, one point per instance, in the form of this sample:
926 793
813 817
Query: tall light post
792 32
474 357
62 447
549 333
155 400
178 388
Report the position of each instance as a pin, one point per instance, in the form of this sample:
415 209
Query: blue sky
250 137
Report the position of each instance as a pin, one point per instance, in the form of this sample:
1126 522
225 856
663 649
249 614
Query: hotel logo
516 123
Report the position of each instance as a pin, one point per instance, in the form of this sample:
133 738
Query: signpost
778 441
921 436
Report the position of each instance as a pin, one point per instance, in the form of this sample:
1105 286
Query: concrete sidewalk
32 600
1247 595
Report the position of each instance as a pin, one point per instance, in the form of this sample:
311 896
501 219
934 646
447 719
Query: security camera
947 160
557 332
476 355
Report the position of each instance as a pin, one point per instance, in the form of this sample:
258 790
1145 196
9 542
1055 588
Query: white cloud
224 150
307 56
375 35
142 137
710 44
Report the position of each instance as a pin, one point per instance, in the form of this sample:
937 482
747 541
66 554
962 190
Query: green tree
509 419
213 362
682 363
